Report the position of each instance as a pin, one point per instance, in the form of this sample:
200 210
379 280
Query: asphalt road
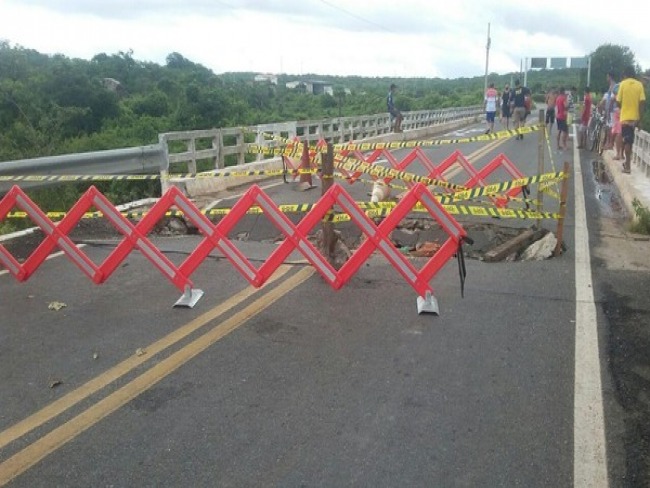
296 384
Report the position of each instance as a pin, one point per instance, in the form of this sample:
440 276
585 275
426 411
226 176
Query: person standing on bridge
505 106
584 118
490 105
395 115
561 114
607 106
518 104
551 95
631 100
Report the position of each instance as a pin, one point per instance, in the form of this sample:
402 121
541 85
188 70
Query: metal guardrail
133 160
641 151
220 146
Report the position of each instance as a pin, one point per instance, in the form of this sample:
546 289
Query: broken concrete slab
541 249
514 245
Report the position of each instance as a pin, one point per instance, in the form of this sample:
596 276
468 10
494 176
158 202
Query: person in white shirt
490 105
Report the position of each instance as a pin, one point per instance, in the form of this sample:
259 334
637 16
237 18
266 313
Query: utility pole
487 58
526 72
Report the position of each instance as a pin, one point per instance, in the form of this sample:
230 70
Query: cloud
338 37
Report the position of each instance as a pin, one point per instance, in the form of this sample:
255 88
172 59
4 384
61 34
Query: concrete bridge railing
227 146
641 151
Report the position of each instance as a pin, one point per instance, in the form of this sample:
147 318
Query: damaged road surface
297 384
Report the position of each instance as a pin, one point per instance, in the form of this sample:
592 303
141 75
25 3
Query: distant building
312 86
268 78
111 84
292 85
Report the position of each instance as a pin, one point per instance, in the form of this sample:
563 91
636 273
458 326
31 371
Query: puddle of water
607 195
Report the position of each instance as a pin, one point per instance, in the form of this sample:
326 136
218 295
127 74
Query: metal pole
329 237
589 71
526 72
540 162
487 58
560 222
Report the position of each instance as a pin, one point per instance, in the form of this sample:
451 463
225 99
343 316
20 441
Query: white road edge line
589 446
51 256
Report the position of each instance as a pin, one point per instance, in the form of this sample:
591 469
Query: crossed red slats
56 235
478 178
216 236
399 165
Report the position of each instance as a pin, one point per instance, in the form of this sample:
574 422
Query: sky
383 38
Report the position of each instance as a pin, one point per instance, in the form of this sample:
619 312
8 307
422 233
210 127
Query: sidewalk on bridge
630 186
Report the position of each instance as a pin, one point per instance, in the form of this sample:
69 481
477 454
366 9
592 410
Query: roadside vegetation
52 105
641 225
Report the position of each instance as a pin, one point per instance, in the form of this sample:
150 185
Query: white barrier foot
189 298
428 304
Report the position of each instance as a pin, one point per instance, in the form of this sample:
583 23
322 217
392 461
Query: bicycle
597 132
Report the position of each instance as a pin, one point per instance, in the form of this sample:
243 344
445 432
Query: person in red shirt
584 119
561 118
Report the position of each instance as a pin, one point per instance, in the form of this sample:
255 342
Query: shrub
642 223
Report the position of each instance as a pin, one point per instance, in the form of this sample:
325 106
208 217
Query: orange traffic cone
305 169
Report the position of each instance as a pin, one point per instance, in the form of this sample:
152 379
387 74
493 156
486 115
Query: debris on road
56 306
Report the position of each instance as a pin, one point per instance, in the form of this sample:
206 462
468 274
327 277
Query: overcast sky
395 38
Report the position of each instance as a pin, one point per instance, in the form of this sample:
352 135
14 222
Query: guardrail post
217 143
164 165
191 148
241 157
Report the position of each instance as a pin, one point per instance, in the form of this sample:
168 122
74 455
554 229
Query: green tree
609 57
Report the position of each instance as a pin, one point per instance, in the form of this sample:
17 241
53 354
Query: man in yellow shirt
631 99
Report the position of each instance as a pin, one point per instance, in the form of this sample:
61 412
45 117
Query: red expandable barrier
216 236
416 154
56 236
501 161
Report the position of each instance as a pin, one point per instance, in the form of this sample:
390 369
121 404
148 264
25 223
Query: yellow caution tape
462 193
546 188
223 174
292 148
371 146
378 209
465 210
348 164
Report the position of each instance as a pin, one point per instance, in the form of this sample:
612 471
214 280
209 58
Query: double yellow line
479 153
39 449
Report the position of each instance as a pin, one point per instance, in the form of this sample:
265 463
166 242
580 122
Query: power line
358 17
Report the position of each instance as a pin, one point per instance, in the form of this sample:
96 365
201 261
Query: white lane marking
589 448
51 256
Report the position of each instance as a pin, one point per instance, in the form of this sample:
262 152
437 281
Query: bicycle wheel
593 137
602 135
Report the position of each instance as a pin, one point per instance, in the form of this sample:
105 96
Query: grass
641 225
6 228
